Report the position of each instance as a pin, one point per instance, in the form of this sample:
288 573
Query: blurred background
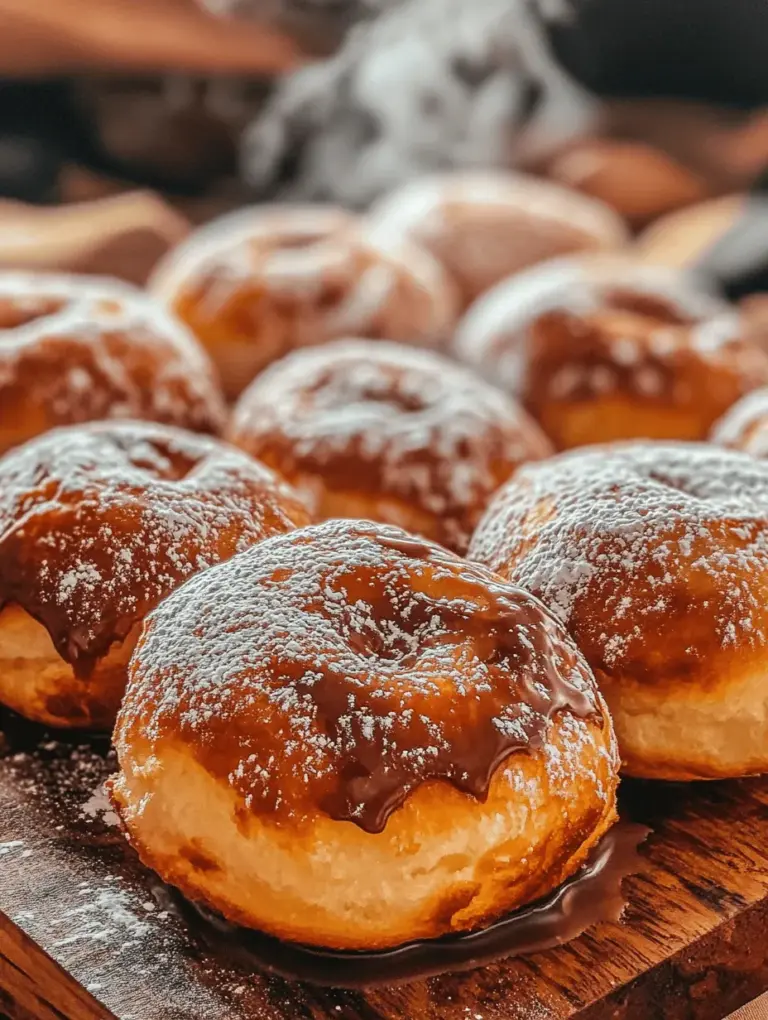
125 122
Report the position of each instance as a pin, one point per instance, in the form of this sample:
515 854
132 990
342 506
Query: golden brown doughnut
260 282
98 523
386 432
486 226
76 349
745 425
602 348
655 558
641 182
350 737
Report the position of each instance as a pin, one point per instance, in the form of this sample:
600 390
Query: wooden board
86 932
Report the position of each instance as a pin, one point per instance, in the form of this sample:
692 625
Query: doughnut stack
382 544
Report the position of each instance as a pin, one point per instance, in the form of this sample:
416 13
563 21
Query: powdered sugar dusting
495 333
313 269
383 418
84 348
98 523
487 226
637 544
337 668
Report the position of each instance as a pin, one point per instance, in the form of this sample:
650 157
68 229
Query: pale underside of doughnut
38 684
689 731
444 862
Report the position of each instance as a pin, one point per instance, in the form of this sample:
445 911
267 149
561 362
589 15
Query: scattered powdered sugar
106 915
382 418
99 522
346 662
99 806
629 543
87 348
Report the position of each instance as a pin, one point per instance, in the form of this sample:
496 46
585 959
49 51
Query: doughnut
602 348
484 227
257 283
383 431
641 182
655 558
98 523
349 737
77 349
745 425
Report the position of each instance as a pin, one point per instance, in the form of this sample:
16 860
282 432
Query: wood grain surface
86 932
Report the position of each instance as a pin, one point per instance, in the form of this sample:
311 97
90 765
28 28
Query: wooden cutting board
86 932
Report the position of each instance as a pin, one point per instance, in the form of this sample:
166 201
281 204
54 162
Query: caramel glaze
99 522
583 297
667 360
354 664
81 349
417 439
591 896
371 788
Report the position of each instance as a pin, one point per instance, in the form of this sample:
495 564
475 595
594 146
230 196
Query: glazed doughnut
383 431
641 182
486 226
601 348
98 523
745 425
257 283
655 557
349 737
77 349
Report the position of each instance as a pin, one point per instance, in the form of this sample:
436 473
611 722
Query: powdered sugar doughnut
745 425
484 227
382 431
98 523
257 283
77 349
655 558
350 737
601 348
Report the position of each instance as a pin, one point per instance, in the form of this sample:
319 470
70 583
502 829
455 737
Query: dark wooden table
86 932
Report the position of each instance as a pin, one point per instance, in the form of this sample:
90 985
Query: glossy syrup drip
510 629
591 896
